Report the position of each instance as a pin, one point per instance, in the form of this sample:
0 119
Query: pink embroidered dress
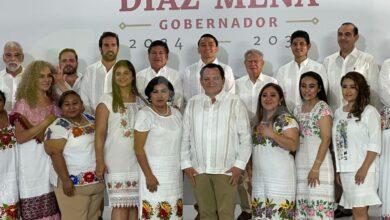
122 166
313 202
37 199
9 195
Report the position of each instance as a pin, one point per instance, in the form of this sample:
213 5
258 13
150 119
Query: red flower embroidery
89 177
77 131
11 211
5 139
118 185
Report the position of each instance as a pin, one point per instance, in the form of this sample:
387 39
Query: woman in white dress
315 185
158 131
9 195
357 142
384 186
69 142
114 142
275 136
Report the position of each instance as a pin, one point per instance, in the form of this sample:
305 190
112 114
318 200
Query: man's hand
236 172
191 173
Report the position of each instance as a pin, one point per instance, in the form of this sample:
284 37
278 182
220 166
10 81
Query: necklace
162 114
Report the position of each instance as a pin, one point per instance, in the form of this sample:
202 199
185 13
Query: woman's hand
101 168
360 175
265 130
313 178
68 188
151 183
337 178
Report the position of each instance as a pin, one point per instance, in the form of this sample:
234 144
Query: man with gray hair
10 77
248 88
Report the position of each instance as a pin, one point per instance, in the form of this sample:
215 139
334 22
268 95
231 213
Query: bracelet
318 161
315 171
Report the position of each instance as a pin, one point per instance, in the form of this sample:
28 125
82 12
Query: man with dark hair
288 75
208 49
349 58
67 77
97 78
216 144
10 77
158 52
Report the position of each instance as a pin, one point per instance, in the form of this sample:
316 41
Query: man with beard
97 78
10 77
67 77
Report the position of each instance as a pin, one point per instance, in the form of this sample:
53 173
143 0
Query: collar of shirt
303 63
160 71
4 73
79 76
201 64
258 80
101 66
354 53
218 97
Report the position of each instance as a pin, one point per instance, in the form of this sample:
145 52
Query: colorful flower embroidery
127 121
147 210
319 208
78 131
309 122
385 118
84 178
63 123
7 138
8 212
286 210
164 210
263 209
179 208
341 140
122 184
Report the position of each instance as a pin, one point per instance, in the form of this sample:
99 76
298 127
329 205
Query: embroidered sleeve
59 129
284 122
143 121
324 110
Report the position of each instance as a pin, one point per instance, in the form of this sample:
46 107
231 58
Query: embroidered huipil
352 139
249 91
79 150
144 76
288 78
96 81
8 85
216 136
191 79
336 67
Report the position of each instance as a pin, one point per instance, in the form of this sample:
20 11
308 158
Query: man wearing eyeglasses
10 76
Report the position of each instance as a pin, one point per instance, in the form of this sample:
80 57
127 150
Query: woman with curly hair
357 143
114 140
275 136
33 112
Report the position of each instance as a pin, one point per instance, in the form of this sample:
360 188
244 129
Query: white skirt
384 186
359 195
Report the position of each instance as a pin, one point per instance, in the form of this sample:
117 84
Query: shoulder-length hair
321 95
117 101
363 96
260 110
28 86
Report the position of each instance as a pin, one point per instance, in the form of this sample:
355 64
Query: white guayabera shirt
9 85
216 136
249 91
288 78
96 82
358 61
144 76
191 79
384 83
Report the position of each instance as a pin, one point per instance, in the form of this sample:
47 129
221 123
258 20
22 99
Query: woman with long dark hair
275 136
315 185
357 142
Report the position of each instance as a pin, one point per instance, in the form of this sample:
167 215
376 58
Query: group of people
291 146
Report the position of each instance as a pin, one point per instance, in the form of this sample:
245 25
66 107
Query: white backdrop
44 27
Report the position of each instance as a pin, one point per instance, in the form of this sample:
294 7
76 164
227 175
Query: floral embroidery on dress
164 210
7 138
286 210
341 140
309 122
8 212
179 208
78 131
385 118
122 184
147 210
126 122
263 209
84 178
318 208
280 122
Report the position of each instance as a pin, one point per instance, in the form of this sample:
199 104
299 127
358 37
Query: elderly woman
275 136
158 130
69 141
8 177
33 112
357 142
114 142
